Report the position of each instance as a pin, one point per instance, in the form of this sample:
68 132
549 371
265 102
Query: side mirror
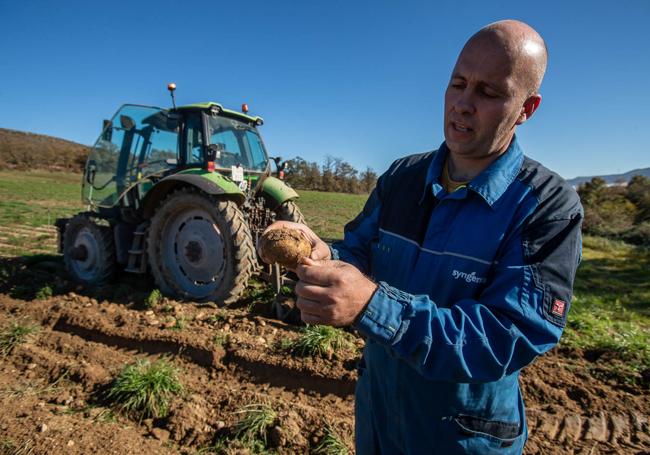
213 152
280 166
107 130
127 122
91 170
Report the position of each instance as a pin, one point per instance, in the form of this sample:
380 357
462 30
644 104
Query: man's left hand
332 292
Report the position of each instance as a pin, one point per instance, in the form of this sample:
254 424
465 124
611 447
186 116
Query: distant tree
368 180
334 174
638 192
608 210
327 176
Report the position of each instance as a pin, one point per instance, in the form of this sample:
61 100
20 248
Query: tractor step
137 262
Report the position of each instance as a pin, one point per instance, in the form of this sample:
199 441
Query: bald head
523 47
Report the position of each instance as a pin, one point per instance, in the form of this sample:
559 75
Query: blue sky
361 80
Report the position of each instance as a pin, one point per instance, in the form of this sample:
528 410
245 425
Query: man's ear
528 109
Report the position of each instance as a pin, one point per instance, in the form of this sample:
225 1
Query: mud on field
51 386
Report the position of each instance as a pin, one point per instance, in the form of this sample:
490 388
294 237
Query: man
470 253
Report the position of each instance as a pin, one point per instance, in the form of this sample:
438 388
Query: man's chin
459 148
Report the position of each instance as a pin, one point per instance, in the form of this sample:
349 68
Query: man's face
483 102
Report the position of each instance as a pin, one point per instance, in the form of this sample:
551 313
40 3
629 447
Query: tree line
619 212
334 174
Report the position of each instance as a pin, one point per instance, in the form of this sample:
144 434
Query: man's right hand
319 249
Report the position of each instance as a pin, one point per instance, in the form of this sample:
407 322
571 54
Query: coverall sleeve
519 315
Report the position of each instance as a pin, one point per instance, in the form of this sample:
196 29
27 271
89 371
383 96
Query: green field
34 198
610 312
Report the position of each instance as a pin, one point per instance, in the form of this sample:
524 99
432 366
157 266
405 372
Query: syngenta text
468 277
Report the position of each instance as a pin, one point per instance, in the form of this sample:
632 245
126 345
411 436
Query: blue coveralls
473 285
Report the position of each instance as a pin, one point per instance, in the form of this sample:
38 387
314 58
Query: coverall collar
489 184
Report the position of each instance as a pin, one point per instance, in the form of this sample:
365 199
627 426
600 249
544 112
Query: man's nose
464 102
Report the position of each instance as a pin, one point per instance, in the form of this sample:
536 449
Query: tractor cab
143 144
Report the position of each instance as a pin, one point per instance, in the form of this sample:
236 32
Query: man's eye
489 94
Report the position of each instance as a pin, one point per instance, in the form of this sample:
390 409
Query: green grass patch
331 444
44 293
254 423
611 307
327 213
145 389
219 316
321 341
13 335
38 198
153 299
220 339
180 324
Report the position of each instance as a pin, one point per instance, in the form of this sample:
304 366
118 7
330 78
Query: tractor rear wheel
200 247
88 251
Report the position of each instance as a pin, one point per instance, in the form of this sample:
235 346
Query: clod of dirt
285 246
188 419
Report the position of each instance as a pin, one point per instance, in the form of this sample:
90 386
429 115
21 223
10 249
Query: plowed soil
51 385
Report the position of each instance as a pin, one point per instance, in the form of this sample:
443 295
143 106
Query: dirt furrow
228 358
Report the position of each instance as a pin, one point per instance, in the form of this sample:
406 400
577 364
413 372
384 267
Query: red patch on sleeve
558 307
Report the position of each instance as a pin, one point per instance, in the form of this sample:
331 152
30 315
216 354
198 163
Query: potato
284 246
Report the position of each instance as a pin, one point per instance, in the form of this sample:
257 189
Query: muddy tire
200 247
88 251
289 211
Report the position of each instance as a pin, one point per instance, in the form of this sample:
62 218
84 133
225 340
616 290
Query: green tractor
180 193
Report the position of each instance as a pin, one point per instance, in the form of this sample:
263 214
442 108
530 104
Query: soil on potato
285 246
51 385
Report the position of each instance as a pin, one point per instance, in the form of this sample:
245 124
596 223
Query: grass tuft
284 344
217 317
180 324
153 299
220 339
14 335
44 293
256 419
331 444
8 447
145 388
320 340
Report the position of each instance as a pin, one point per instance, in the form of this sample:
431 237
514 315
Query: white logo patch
468 277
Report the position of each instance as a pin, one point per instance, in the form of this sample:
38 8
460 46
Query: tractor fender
209 182
275 192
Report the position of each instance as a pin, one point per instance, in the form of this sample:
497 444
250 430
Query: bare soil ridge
56 378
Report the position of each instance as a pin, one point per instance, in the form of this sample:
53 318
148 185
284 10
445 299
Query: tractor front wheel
289 211
88 251
200 247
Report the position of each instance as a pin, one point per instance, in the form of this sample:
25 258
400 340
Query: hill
20 150
611 178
